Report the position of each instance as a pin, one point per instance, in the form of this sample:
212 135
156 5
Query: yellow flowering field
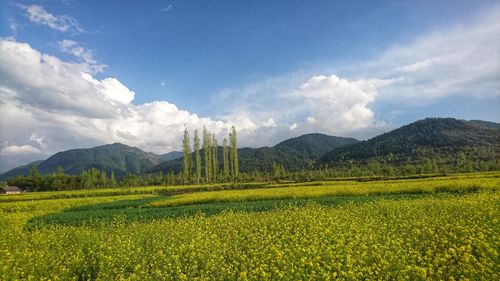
450 232
334 189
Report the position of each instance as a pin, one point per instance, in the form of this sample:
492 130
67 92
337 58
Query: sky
76 74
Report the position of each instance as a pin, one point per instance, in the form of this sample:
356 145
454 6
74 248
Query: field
431 228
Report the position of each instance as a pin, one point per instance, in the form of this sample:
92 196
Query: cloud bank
49 105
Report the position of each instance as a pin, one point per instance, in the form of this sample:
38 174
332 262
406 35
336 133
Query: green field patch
137 210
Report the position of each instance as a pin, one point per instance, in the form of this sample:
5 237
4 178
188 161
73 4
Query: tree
59 170
215 160
103 179
197 156
207 152
186 149
112 179
234 153
225 158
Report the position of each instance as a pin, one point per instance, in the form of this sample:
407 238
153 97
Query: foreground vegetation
434 228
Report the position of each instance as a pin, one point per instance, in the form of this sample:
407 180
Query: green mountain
313 146
170 156
294 154
119 158
447 141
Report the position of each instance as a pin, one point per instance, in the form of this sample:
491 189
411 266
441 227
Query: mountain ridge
118 158
441 138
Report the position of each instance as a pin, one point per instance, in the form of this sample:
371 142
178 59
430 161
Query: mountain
21 170
432 138
294 154
119 158
170 156
313 146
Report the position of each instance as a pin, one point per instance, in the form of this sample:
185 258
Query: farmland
430 228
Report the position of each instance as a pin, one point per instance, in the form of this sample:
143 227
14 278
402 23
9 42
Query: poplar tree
234 153
207 152
186 149
225 158
113 179
197 156
215 160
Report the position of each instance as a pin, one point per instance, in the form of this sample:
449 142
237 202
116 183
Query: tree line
58 180
202 163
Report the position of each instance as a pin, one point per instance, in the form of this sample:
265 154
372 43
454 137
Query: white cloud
38 139
16 150
416 66
166 9
111 88
338 106
162 84
63 23
270 123
13 27
87 57
462 59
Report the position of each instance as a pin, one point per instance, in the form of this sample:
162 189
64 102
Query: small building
10 190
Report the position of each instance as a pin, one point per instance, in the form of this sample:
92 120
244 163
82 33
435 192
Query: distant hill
294 154
119 158
21 170
438 138
313 146
170 156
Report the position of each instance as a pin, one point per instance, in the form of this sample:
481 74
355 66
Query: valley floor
433 228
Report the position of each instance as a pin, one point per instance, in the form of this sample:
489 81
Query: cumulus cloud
321 103
63 23
338 106
50 105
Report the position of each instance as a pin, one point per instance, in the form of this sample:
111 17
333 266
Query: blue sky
276 69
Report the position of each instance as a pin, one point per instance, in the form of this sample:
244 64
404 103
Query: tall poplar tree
186 149
197 156
234 153
207 152
225 158
215 159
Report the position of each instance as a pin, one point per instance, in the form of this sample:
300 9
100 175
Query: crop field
413 229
